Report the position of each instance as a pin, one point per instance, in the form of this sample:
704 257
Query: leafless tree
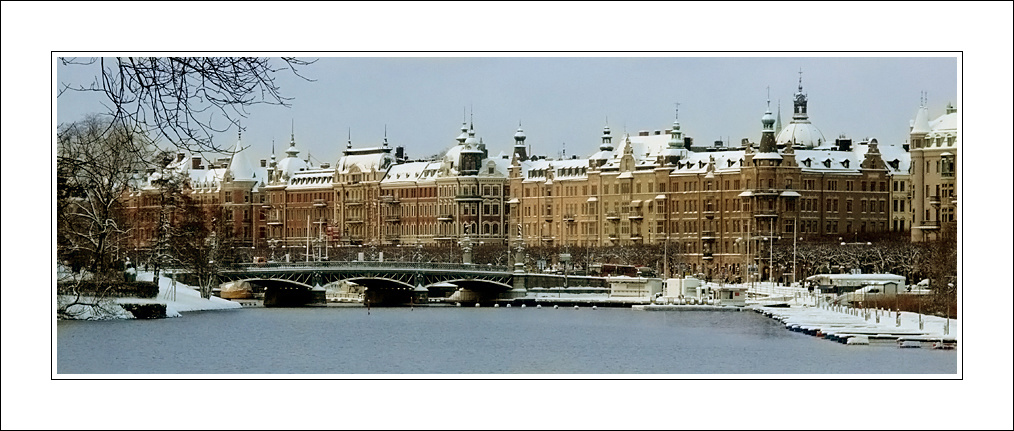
95 167
183 99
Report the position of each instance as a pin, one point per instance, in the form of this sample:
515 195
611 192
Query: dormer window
845 163
827 163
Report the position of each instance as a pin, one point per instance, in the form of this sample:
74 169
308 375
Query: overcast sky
562 100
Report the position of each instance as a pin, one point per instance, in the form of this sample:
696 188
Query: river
450 340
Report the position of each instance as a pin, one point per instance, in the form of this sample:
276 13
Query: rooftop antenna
677 111
349 144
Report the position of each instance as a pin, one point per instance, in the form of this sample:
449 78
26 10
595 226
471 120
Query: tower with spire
519 145
800 132
767 143
470 156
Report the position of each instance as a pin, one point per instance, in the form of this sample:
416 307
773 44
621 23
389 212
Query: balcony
354 220
765 213
388 199
568 217
707 255
635 216
766 192
708 235
467 197
445 217
708 213
934 200
613 217
319 203
274 221
392 218
351 202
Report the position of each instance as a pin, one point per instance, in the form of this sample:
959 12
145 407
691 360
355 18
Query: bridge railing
375 265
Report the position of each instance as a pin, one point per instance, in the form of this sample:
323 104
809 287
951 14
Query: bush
118 289
145 311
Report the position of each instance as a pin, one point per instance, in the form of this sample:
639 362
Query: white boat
858 340
945 344
909 344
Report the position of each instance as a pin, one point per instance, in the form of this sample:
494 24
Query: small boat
909 344
945 344
858 340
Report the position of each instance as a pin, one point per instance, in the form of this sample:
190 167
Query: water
450 340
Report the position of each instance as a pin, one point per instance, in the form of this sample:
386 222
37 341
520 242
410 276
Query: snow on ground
185 298
182 298
805 307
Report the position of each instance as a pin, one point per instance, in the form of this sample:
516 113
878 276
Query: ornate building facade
720 207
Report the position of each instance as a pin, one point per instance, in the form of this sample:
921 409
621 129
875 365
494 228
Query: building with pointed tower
800 132
717 210
934 148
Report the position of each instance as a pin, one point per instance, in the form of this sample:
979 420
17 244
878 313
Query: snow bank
181 299
177 297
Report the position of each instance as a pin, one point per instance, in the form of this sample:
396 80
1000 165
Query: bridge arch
280 292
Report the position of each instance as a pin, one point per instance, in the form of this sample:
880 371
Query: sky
563 100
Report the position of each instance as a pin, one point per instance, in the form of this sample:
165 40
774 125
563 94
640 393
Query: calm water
439 340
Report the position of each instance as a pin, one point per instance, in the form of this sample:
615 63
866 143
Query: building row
717 205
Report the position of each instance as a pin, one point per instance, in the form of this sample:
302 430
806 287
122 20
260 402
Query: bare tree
95 167
183 99
194 240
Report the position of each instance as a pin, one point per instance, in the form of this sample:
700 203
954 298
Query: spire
767 144
768 120
676 136
921 123
607 139
778 120
385 136
349 144
799 104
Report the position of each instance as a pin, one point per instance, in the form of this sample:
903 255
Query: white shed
730 295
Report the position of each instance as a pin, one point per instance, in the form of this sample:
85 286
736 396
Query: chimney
643 133
180 157
195 163
264 163
843 144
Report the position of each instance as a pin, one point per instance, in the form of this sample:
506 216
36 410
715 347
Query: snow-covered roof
365 160
801 133
315 178
240 167
921 122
